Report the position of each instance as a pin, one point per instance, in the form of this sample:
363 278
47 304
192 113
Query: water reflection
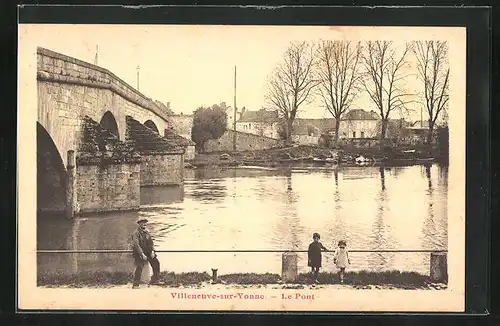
162 195
287 231
382 177
433 225
211 191
279 209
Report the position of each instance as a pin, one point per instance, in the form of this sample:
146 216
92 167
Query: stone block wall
181 124
112 187
162 169
244 142
69 89
190 153
53 65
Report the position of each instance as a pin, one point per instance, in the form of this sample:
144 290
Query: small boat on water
325 159
300 171
363 160
254 167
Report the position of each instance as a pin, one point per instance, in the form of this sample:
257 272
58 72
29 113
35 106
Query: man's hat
141 219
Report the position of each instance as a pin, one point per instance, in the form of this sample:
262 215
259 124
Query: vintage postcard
241 168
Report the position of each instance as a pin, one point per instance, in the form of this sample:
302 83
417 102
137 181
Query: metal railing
124 251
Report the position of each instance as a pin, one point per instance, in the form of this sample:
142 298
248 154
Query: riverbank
275 157
356 280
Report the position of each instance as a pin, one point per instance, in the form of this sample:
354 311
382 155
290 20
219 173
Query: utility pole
96 54
138 68
421 118
234 116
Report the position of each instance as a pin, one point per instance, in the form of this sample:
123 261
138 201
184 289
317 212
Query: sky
193 65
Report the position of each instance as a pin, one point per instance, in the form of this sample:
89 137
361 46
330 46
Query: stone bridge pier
98 140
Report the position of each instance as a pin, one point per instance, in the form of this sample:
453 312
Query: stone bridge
98 139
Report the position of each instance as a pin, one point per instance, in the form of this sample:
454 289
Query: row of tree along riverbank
361 279
404 155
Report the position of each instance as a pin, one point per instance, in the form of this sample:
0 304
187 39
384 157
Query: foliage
208 123
393 278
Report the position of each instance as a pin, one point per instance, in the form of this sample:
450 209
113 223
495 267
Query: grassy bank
361 279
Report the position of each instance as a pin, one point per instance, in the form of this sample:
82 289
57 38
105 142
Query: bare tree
434 72
339 76
291 84
384 79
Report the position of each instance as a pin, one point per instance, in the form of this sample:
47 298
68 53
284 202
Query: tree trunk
429 135
289 124
337 126
383 130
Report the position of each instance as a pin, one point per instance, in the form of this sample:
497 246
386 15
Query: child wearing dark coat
314 256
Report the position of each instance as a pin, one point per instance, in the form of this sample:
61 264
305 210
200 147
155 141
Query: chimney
168 105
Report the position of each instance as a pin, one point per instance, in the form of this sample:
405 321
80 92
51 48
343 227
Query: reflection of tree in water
431 236
443 175
336 196
382 177
285 233
395 171
338 228
443 189
381 237
209 191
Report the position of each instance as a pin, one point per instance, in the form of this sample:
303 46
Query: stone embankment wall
244 142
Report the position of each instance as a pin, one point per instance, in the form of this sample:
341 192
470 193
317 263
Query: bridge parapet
56 67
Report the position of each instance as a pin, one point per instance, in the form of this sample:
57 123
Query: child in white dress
341 258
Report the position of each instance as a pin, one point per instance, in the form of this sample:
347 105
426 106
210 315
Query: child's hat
316 235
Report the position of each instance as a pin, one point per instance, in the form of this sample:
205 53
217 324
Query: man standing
143 251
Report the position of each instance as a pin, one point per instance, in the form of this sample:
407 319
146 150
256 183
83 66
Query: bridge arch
151 125
51 175
108 122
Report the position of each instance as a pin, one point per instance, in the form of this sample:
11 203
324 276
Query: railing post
289 266
439 267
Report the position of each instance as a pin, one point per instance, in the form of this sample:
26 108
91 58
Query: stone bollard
214 275
289 267
146 273
439 267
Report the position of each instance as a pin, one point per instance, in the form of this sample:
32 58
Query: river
398 208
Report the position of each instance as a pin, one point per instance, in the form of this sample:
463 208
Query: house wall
266 129
358 129
305 139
